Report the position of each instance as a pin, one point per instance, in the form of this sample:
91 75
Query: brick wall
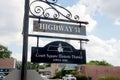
97 72
7 63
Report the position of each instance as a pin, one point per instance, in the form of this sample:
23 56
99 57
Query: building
58 67
94 72
7 64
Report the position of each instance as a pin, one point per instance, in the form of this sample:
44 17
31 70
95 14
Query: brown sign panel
58 52
55 27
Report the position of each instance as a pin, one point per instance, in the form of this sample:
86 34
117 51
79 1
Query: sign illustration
60 49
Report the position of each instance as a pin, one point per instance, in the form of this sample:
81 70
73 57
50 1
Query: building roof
7 63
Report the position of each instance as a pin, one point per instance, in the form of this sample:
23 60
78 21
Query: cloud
117 22
91 5
82 11
99 49
110 8
17 56
11 15
11 23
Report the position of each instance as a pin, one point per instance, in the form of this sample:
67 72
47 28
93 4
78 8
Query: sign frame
58 52
59 27
34 10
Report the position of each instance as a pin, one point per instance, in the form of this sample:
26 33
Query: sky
103 29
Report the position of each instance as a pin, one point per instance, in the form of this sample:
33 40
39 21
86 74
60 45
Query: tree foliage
4 52
30 65
109 78
60 73
63 72
101 63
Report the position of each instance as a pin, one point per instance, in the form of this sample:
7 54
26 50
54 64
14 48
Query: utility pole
25 40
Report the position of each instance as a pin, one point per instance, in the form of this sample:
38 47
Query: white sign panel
53 27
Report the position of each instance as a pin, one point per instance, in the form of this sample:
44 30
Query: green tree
109 78
30 65
102 63
18 65
4 52
60 73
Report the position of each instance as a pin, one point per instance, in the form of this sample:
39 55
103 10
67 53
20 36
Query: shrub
81 78
109 78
